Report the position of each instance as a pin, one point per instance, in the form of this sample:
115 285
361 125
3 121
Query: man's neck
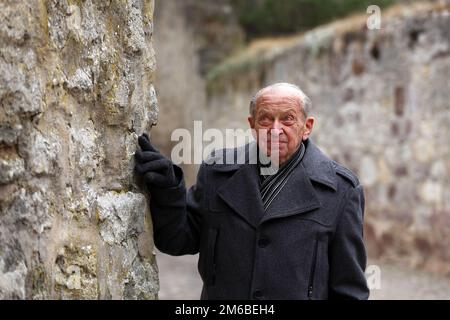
267 161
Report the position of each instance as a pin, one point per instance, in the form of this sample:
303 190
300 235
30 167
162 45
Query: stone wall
75 91
382 103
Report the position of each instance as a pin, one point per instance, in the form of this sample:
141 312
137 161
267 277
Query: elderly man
293 234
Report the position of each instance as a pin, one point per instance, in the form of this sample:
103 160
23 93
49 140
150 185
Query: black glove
156 170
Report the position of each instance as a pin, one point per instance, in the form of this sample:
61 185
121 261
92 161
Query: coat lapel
319 167
296 197
242 190
241 193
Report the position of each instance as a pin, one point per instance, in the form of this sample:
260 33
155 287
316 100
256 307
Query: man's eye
289 118
264 120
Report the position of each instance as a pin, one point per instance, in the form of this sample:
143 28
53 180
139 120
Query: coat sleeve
177 215
347 251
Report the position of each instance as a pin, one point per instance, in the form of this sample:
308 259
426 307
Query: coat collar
318 166
241 190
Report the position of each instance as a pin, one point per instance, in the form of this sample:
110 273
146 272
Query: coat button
258 294
263 242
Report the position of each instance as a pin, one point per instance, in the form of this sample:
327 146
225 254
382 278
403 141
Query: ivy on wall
276 17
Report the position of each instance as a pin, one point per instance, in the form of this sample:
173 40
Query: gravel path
404 283
179 279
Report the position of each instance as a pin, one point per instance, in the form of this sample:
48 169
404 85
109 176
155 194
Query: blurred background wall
381 99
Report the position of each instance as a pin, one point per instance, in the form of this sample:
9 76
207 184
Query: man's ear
309 125
251 122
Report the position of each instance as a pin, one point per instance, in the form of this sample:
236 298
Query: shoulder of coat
220 156
229 156
212 157
346 173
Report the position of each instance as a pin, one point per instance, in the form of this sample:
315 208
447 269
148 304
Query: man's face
280 123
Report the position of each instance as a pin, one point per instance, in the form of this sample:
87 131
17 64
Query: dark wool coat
308 245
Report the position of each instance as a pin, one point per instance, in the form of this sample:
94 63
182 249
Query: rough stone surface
76 88
120 216
381 99
75 272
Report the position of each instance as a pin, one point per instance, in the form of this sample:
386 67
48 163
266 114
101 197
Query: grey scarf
271 185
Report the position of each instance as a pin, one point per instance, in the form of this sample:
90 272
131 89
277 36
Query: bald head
285 89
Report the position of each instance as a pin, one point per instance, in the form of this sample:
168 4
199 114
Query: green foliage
276 17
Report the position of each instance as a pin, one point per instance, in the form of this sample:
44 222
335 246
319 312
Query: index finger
145 144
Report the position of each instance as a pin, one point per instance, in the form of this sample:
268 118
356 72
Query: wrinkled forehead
280 94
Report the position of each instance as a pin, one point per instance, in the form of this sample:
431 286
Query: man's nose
277 128
276 131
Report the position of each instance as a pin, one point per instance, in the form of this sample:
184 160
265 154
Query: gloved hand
156 170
